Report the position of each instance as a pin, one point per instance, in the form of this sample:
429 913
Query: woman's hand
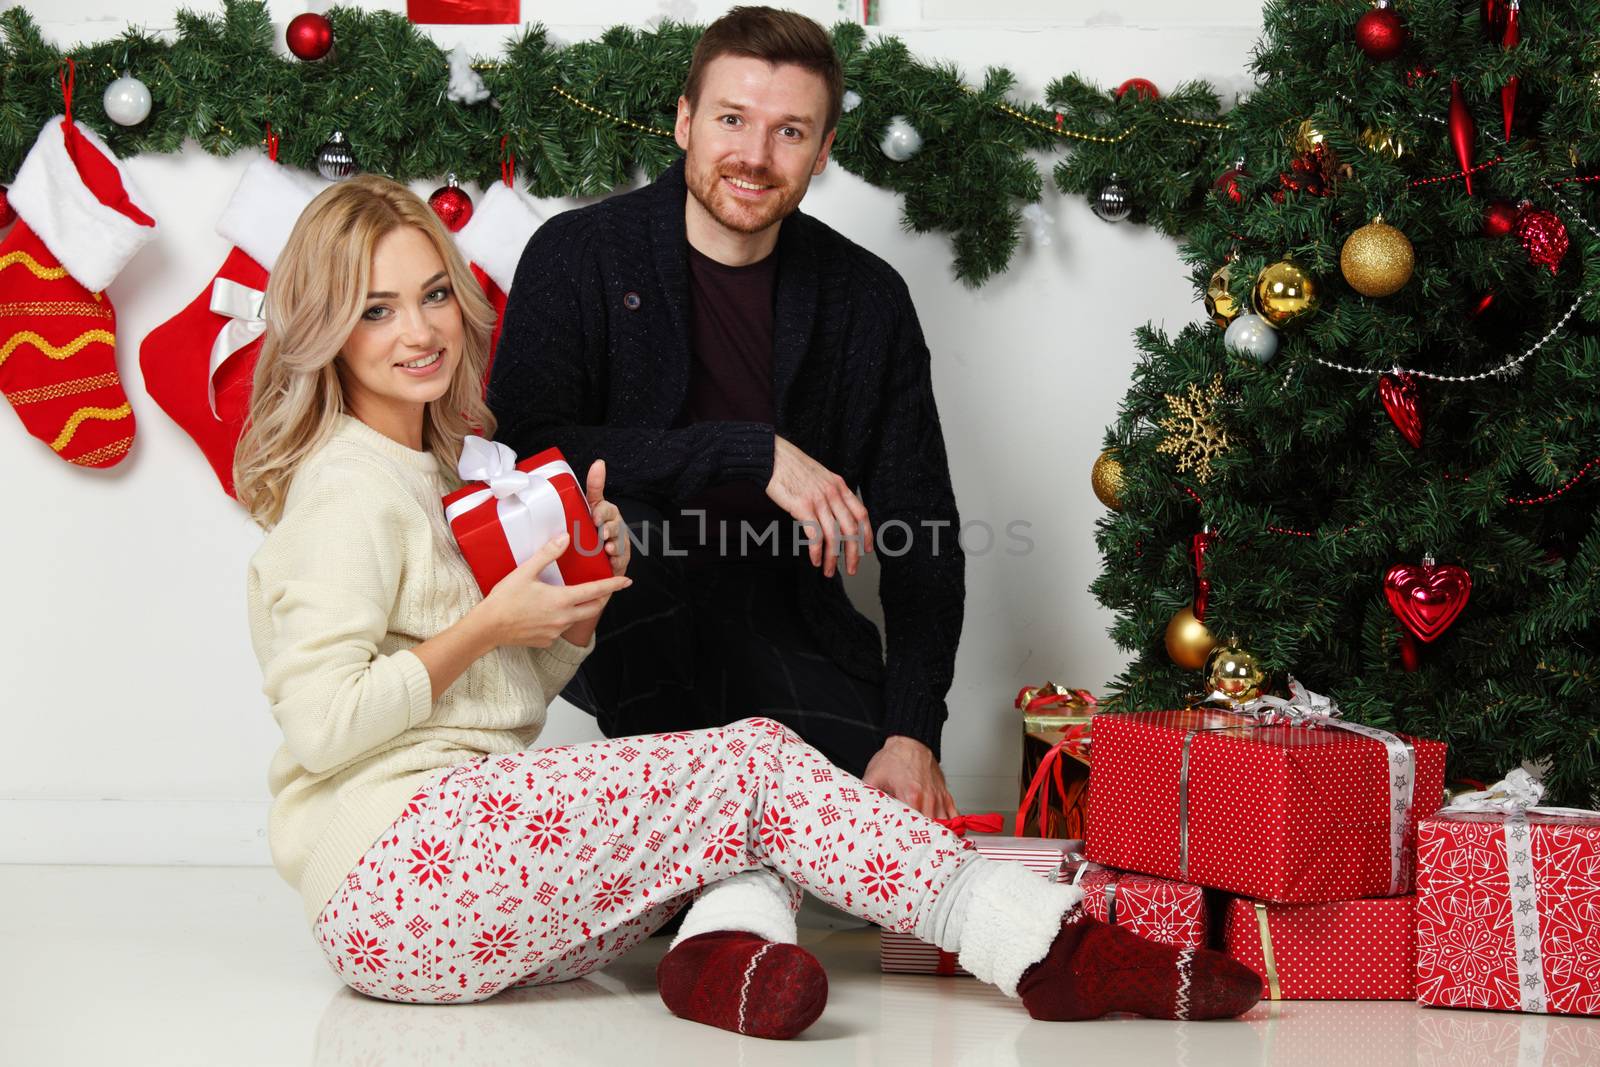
522 610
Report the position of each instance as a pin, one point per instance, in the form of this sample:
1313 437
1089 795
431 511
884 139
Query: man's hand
906 770
815 495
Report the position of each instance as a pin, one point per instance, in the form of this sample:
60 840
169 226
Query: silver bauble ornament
127 101
335 159
1251 335
901 140
1113 204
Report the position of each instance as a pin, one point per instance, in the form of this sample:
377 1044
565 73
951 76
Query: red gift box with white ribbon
1508 904
507 511
1292 813
1345 950
900 953
1156 909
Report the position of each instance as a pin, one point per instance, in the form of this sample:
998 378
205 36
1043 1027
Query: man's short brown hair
777 37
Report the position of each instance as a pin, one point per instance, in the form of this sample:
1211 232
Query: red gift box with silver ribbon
1279 800
1346 950
1156 909
1508 903
900 953
509 510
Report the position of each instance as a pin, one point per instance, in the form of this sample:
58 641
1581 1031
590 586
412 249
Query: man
741 367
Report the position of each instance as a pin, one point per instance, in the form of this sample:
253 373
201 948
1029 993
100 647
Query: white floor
213 966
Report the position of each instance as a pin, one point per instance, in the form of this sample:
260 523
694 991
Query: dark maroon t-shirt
730 378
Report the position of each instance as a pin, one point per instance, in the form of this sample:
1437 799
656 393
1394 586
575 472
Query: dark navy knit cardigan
594 359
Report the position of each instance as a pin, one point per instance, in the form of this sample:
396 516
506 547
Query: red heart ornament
1427 598
1399 395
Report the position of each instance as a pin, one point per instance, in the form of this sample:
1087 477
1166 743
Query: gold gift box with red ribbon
1054 794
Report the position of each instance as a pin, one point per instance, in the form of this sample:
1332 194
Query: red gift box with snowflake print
1508 912
1346 950
1290 814
900 953
1157 909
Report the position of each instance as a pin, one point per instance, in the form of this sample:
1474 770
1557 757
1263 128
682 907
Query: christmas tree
1388 435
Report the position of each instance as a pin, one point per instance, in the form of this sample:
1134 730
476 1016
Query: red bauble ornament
1499 217
1399 395
452 204
1141 87
1230 183
309 36
8 214
1427 598
1462 132
1380 33
1543 235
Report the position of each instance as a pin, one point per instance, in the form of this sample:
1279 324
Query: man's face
753 140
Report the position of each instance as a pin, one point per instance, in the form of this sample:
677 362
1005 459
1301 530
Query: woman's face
408 343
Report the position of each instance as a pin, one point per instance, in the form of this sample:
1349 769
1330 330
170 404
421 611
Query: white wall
135 727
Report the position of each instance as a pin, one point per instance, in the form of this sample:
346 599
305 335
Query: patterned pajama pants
541 866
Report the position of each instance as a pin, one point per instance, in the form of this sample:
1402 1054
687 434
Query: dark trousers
692 645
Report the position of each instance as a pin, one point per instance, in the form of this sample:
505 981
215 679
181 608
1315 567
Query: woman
441 858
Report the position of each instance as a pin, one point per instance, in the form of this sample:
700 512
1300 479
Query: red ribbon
988 823
68 77
1051 700
1076 739
508 163
272 144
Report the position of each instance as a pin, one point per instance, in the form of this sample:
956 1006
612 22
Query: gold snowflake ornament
1193 434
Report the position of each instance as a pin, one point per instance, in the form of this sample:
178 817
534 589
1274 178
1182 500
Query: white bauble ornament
901 140
127 101
1251 335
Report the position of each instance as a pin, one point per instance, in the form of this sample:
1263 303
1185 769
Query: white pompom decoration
850 101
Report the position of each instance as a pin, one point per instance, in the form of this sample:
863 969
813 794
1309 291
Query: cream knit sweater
362 567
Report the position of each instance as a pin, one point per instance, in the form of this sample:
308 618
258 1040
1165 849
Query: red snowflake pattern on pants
547 864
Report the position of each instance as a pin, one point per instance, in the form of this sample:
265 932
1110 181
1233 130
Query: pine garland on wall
586 118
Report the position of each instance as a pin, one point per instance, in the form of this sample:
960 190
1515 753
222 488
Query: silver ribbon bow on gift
528 507
1301 708
242 306
1516 796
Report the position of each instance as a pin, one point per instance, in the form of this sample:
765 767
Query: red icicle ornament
1462 133
1508 91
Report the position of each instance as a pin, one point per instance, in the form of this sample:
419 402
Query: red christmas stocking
492 240
742 982
79 222
199 365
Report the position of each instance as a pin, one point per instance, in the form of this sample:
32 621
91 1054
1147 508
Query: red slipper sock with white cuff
734 964
1032 939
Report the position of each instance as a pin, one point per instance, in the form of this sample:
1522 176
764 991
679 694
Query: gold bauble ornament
1377 259
1283 292
1309 137
1235 672
1188 640
1106 477
1220 304
1382 142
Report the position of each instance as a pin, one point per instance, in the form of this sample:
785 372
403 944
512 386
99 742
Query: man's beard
742 216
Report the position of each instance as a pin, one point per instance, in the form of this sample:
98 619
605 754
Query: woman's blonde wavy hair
314 300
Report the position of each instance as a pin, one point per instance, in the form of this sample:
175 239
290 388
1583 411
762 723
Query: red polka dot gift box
1346 950
1294 814
1508 910
900 953
1156 909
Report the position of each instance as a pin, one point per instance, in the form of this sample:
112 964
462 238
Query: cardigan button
630 300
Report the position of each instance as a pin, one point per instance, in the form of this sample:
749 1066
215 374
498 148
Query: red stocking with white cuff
492 240
79 221
199 365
